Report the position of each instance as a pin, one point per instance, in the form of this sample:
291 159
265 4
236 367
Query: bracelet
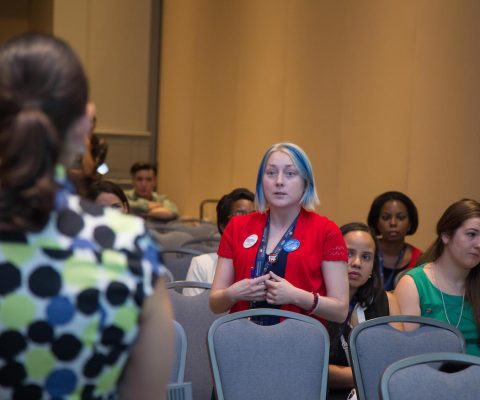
314 304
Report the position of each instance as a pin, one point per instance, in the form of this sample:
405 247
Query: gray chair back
180 353
177 389
423 372
205 244
171 240
194 314
285 361
195 227
177 261
374 345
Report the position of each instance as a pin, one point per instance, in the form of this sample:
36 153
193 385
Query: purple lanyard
262 262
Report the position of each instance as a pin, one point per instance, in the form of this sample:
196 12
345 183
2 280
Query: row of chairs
290 360
194 227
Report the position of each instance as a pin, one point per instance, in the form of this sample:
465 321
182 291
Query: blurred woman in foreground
75 278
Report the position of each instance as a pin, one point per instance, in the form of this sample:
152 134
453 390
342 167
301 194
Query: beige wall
112 37
382 94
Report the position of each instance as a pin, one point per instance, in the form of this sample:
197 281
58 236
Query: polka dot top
70 300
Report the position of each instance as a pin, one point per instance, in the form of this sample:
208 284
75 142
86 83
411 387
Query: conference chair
172 239
177 260
193 226
194 314
178 389
374 345
439 376
285 361
205 244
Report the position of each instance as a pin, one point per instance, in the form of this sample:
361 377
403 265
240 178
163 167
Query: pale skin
449 272
283 188
148 369
144 184
361 251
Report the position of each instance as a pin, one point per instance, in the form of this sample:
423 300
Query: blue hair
301 161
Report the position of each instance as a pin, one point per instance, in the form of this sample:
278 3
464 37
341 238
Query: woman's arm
408 300
394 309
149 367
225 292
332 307
340 377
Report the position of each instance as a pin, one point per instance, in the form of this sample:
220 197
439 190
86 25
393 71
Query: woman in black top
367 300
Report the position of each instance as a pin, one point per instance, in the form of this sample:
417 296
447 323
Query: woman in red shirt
285 255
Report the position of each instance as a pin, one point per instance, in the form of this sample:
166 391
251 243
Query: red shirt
320 240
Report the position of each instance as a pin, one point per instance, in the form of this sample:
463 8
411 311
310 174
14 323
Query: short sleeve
136 203
334 248
170 205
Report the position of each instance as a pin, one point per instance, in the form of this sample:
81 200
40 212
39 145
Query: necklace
443 300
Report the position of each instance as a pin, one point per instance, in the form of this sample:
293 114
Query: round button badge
291 245
250 241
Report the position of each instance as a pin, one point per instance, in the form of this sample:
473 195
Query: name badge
291 245
250 241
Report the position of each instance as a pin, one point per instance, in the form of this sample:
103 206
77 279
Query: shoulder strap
360 313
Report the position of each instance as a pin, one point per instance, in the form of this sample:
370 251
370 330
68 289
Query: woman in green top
446 286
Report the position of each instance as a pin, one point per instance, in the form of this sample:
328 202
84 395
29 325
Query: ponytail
29 150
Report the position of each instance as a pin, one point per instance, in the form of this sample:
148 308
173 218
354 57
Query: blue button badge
291 245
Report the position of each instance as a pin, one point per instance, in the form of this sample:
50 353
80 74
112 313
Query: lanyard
361 318
381 266
262 262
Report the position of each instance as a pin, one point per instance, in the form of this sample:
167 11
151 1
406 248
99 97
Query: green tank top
431 306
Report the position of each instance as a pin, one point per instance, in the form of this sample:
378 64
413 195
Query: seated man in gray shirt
143 199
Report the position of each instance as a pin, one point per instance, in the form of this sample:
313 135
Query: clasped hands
269 287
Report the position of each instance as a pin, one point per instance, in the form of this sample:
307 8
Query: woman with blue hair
285 255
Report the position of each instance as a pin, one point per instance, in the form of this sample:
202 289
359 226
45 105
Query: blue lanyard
386 285
262 262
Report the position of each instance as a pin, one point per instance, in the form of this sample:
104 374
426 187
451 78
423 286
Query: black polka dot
87 301
12 374
10 278
11 344
112 336
91 208
116 352
139 294
94 365
58 254
45 282
104 236
135 264
69 223
66 347
117 293
40 332
30 392
88 393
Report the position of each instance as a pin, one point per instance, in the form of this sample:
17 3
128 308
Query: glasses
239 212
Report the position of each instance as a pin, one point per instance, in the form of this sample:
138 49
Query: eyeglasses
239 212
